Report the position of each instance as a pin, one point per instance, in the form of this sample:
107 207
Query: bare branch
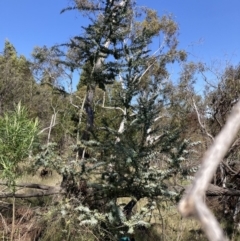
52 124
145 72
192 203
200 122
214 190
151 139
50 192
29 185
45 190
206 80
215 118
229 168
111 107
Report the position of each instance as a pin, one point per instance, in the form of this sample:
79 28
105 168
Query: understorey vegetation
111 159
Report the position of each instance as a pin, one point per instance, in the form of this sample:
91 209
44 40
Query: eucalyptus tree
50 103
142 154
116 47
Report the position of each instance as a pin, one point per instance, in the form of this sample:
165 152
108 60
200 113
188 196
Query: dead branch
110 107
50 192
113 108
44 190
214 190
52 124
192 204
200 122
229 168
29 185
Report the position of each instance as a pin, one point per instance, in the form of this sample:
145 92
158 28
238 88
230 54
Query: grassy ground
167 224
28 211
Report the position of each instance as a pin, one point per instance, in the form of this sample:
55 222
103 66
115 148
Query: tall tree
115 47
16 81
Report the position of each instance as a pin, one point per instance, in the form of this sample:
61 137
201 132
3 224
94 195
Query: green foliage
16 79
9 50
85 75
17 134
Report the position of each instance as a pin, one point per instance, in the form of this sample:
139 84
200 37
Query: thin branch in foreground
192 204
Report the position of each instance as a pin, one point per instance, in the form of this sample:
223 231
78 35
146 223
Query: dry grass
167 224
27 226
51 180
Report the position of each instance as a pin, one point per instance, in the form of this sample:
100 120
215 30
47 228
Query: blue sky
208 29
